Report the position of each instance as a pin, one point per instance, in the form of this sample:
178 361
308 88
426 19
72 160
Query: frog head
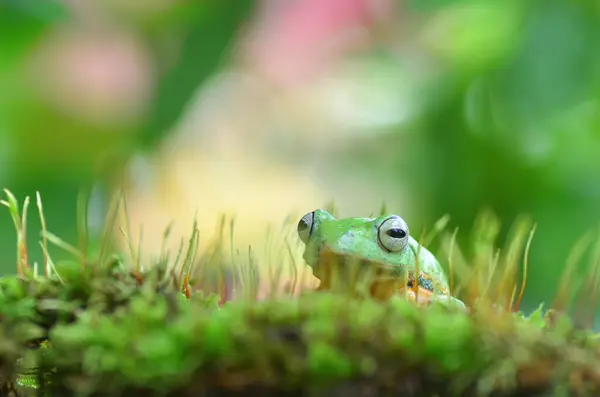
379 249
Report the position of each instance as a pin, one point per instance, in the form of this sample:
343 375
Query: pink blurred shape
299 40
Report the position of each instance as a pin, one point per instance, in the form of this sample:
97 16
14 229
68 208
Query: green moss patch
96 327
158 342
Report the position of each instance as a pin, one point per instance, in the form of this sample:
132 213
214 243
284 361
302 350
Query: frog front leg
424 291
385 290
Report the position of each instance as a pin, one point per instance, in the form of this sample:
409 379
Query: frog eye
393 234
305 226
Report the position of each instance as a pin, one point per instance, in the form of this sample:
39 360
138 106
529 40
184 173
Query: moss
96 327
161 343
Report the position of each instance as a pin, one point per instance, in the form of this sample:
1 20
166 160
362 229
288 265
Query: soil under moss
111 333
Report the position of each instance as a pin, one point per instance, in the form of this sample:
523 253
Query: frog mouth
338 271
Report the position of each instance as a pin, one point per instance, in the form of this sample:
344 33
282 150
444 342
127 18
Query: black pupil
302 225
396 233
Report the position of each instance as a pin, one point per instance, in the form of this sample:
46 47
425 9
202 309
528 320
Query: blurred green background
433 106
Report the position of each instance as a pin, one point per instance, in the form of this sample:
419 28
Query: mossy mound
97 327
155 341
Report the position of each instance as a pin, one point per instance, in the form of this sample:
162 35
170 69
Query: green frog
376 256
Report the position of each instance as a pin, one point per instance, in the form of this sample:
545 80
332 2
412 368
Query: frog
375 256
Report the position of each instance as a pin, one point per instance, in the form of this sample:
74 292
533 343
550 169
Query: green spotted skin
357 238
363 240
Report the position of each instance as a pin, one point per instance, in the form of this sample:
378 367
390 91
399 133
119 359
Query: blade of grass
164 255
586 298
293 266
171 271
234 268
53 239
129 243
109 224
192 263
493 265
44 243
525 267
595 290
450 259
138 257
190 253
13 208
515 248
82 224
132 251
23 238
439 226
51 267
563 294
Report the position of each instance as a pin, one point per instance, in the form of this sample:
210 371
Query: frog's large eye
393 234
305 226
